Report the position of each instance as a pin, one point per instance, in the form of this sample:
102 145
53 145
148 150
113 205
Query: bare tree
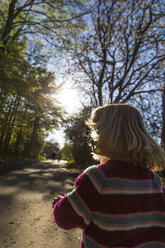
121 53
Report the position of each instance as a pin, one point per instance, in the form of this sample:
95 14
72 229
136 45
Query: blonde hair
119 129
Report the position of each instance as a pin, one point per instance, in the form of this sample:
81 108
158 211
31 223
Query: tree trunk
9 23
8 137
5 124
18 141
163 118
10 125
31 143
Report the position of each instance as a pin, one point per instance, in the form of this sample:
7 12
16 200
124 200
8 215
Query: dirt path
25 207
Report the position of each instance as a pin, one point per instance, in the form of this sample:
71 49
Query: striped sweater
117 205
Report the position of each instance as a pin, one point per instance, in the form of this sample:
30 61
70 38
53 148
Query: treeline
27 111
29 31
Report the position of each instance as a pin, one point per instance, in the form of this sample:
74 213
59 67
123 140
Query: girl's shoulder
152 174
91 170
87 176
94 168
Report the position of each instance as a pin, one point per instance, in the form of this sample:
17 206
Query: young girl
121 202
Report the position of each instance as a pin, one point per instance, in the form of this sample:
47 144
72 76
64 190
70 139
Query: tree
48 19
27 112
27 29
163 119
45 114
121 57
77 133
67 152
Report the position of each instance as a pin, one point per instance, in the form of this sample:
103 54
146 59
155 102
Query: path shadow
40 182
41 177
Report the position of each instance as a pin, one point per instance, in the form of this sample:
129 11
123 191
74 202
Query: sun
68 97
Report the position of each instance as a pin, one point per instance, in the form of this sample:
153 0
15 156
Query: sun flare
68 97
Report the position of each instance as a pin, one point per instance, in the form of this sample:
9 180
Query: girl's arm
76 208
65 216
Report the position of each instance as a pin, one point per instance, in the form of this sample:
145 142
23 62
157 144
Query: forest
112 51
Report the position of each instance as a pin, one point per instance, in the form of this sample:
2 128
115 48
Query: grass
41 158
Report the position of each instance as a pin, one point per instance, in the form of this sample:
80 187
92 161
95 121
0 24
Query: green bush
41 157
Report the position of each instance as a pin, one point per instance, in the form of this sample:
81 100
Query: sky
69 99
57 136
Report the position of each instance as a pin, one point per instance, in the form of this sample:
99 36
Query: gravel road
25 207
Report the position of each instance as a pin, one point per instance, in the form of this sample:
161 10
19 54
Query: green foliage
54 21
41 158
27 112
67 153
77 133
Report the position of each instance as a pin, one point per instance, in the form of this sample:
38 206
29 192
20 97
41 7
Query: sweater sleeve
76 208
